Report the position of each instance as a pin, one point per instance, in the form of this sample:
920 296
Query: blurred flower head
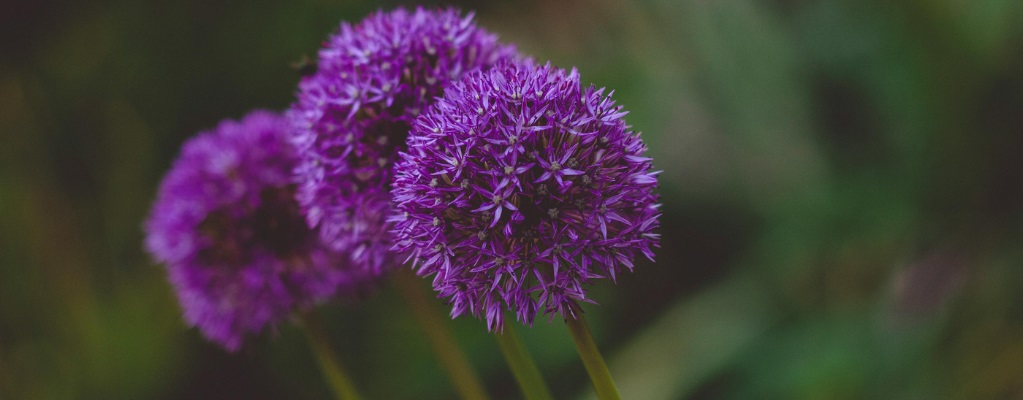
519 188
352 115
227 227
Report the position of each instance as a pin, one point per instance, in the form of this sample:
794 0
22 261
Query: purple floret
228 229
352 116
520 188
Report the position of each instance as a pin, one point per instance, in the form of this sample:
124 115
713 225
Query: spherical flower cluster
354 112
519 188
228 229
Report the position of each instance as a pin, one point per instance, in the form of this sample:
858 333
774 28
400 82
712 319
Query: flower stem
594 363
522 366
331 367
448 353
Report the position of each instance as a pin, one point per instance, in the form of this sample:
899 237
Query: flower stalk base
330 365
522 366
594 363
448 353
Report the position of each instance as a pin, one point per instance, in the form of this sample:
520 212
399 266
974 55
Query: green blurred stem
522 366
594 363
330 365
449 354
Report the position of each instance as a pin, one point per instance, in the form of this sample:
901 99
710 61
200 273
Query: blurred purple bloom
353 114
519 188
227 227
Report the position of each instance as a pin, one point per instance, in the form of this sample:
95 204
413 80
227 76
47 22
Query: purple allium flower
520 187
353 115
227 227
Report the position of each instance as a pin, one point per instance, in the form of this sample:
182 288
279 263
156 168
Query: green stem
594 363
522 366
451 358
331 367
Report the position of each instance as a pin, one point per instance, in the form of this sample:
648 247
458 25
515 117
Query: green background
842 188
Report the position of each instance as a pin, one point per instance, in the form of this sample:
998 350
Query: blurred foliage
843 189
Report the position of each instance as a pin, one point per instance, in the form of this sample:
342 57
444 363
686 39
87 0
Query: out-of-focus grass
842 188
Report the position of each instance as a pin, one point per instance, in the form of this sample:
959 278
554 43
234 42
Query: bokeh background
842 187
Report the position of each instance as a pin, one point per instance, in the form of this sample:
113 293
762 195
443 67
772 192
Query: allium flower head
350 117
227 227
520 188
